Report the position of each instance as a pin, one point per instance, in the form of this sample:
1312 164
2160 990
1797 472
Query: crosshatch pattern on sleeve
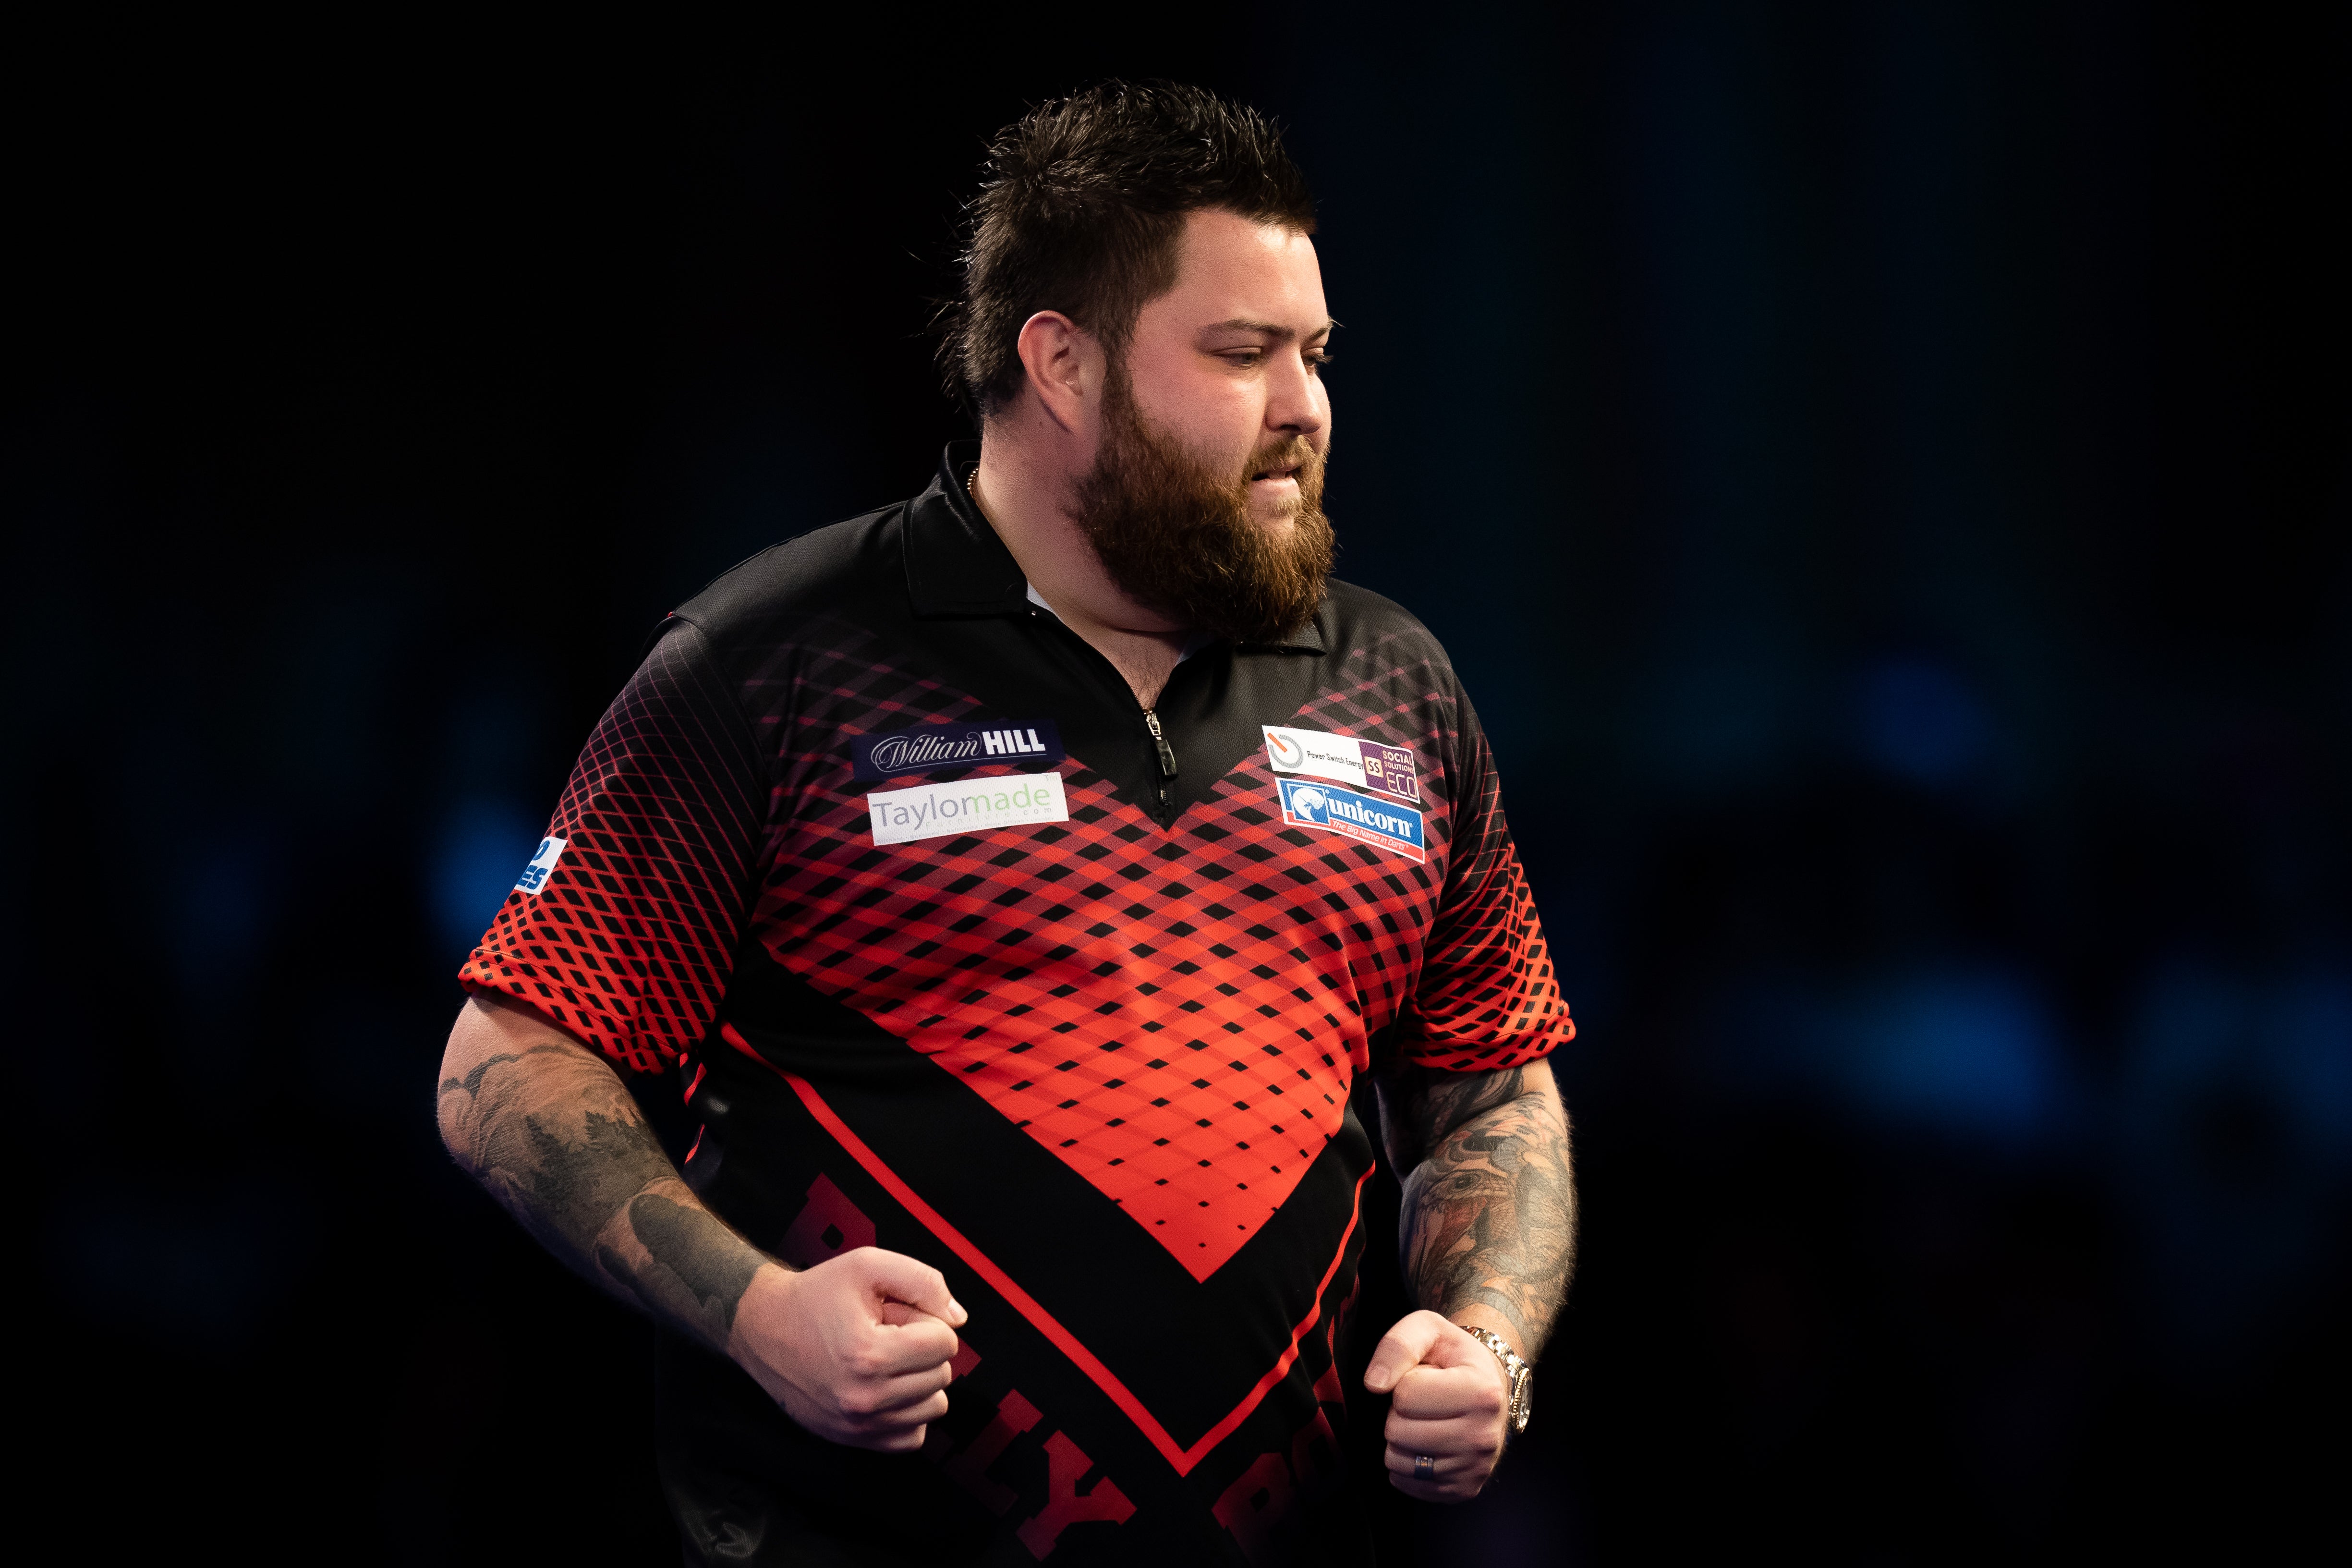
629 946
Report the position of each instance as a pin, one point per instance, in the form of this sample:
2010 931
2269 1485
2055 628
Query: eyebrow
1273 330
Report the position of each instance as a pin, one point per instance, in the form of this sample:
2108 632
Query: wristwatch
1522 1375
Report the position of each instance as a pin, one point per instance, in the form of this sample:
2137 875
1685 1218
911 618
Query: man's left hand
1450 1398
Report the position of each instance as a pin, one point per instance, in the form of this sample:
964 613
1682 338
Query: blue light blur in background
480 850
1921 720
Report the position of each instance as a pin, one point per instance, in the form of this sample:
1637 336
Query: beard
1180 537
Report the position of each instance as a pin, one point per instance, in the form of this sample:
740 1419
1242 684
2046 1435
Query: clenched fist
855 1349
1451 1396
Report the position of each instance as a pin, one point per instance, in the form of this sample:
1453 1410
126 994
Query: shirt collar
1192 644
956 565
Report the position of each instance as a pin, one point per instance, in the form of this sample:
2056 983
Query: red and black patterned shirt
954 957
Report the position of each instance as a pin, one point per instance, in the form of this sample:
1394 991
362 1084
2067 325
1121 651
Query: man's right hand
855 1349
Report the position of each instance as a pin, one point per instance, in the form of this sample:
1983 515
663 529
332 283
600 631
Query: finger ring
1423 1466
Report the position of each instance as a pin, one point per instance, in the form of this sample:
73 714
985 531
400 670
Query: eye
1317 361
1242 359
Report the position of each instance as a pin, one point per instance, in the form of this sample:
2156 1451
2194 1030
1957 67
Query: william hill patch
932 747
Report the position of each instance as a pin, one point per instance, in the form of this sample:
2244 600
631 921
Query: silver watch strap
1517 1369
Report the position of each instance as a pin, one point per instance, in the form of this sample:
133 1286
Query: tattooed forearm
1489 1197
549 1129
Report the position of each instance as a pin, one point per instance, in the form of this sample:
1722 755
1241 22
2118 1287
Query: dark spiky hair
1080 210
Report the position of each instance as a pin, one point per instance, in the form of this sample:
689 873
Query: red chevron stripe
1182 1459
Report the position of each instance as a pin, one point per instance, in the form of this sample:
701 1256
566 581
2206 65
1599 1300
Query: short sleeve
1487 996
643 884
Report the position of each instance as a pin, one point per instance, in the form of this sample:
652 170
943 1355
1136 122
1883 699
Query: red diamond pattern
1176 1014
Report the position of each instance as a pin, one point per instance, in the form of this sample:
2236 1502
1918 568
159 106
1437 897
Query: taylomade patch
1366 764
1366 818
934 746
971 806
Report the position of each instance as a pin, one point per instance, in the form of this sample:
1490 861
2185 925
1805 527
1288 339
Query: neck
1027 502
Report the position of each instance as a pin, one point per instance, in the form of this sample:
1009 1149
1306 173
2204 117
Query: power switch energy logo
1364 765
1366 818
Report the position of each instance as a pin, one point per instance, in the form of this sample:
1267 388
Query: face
1204 498
1229 363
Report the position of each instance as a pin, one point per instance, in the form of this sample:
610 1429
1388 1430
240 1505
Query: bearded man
1016 881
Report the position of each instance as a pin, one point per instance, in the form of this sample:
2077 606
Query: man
1018 879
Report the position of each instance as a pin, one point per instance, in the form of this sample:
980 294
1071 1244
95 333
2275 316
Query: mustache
1290 452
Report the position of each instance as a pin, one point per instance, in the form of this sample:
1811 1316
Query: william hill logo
935 747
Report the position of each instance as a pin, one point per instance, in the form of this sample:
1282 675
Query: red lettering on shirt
1314 1455
1329 1390
1256 1503
969 1470
1065 1504
828 1226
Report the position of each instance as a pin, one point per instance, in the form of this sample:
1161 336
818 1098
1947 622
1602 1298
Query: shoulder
853 567
1374 645
1360 624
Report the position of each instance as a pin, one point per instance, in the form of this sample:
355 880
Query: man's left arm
1487 1239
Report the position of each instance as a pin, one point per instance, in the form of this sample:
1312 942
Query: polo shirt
956 950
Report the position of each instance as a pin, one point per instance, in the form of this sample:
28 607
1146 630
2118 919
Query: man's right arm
855 1349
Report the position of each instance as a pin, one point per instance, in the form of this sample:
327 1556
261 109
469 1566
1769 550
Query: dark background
1882 470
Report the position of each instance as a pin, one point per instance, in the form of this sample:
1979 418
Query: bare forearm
549 1129
1489 1219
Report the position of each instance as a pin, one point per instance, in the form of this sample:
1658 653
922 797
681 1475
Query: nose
1296 403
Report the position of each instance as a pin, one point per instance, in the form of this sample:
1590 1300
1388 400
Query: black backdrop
1880 470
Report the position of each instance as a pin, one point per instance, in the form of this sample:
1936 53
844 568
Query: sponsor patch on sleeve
1365 764
1351 814
543 865
935 746
973 806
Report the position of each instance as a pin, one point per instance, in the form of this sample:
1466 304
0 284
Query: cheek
1221 417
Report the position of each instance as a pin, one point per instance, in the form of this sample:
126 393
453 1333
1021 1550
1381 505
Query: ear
1066 368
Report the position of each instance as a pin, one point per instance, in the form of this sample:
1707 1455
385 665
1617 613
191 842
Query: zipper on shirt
1167 755
1164 753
